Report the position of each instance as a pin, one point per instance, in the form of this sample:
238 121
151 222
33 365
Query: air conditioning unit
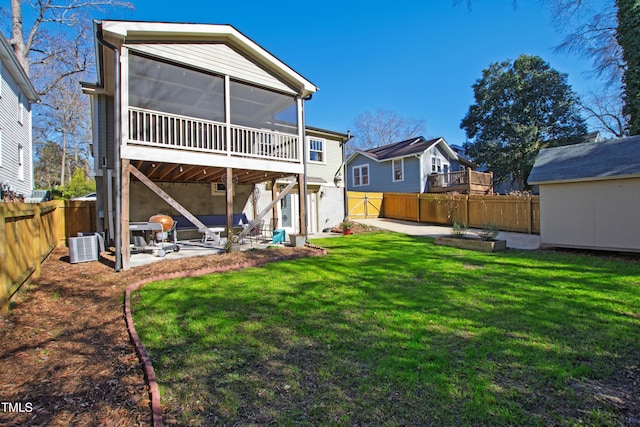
83 249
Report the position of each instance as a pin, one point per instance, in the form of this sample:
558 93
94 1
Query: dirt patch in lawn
66 354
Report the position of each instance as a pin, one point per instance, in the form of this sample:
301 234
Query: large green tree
628 35
520 106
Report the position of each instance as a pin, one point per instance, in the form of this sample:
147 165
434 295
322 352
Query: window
160 86
398 170
360 175
20 108
316 150
20 163
436 165
0 79
259 108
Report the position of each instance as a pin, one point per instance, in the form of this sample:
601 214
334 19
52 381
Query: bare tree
50 14
383 127
605 111
591 33
55 47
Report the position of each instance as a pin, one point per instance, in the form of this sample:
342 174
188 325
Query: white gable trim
13 67
131 31
216 57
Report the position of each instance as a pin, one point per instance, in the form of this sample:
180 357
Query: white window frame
360 168
0 147
323 151
436 164
20 108
393 170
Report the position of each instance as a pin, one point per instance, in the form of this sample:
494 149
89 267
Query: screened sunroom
182 108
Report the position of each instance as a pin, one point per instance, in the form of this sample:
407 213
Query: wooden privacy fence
28 234
364 205
507 213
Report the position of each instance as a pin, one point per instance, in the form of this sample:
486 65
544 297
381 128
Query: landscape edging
145 360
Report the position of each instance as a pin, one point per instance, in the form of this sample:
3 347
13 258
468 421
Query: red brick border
145 360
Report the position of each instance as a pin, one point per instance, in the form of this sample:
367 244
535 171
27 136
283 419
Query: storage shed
590 195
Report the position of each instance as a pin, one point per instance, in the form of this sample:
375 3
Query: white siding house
199 120
16 147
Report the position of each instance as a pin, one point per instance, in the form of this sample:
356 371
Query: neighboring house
16 146
200 118
590 195
415 165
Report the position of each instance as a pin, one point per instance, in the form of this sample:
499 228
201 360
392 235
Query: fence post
4 279
466 207
37 249
530 215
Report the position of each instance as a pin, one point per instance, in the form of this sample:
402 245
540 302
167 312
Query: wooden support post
265 210
229 210
173 203
125 249
274 195
302 195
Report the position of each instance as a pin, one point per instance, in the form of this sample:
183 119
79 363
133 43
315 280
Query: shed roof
611 159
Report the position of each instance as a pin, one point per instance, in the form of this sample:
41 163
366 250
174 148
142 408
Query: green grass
390 329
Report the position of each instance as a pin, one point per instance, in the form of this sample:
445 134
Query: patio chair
267 229
257 232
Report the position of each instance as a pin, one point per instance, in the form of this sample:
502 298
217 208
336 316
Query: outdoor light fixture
337 180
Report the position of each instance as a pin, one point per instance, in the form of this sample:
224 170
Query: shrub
489 232
459 230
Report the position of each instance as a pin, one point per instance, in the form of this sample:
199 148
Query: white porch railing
155 128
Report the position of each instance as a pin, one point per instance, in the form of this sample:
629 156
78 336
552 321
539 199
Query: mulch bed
66 354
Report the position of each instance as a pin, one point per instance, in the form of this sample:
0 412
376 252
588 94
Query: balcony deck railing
466 181
158 129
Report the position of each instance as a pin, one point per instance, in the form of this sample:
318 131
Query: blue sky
416 58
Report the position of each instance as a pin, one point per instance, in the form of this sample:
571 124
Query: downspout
117 136
344 175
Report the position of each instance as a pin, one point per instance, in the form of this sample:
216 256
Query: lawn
389 329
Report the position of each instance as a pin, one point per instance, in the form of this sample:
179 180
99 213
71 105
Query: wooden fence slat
507 213
28 234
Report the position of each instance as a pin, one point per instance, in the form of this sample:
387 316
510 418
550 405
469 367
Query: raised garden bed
473 244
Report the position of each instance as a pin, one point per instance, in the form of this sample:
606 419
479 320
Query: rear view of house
16 147
197 118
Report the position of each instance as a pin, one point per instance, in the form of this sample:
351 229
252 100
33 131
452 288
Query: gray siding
218 58
327 169
14 134
381 175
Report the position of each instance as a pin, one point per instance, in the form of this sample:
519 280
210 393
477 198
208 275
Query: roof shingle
579 162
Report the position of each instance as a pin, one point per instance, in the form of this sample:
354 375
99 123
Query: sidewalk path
514 240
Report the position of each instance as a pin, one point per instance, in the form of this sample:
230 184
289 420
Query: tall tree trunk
17 37
64 157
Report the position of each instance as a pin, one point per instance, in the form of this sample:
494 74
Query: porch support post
229 197
124 215
266 210
274 195
302 195
173 203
